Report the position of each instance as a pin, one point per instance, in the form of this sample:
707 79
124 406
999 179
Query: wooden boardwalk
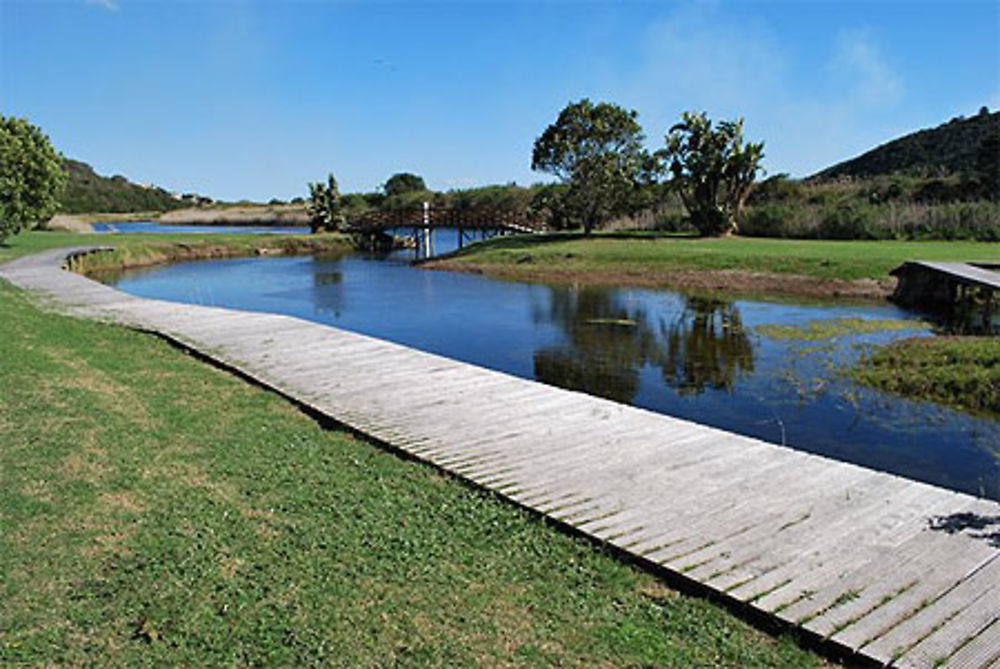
947 286
964 272
895 571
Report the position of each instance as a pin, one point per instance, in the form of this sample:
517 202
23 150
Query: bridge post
428 243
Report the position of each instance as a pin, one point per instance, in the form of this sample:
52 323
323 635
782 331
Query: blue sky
253 99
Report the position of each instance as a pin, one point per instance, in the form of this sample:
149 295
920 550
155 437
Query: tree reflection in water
608 343
328 292
706 346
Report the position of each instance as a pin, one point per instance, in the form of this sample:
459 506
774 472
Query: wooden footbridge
477 218
887 570
950 287
374 227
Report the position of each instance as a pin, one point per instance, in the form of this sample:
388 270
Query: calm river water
707 360
126 227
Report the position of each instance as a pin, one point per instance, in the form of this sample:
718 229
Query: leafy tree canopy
326 212
712 169
404 182
31 176
596 150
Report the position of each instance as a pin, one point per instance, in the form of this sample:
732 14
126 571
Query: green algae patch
962 372
818 330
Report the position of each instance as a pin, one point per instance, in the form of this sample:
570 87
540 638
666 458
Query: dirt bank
82 222
738 282
283 215
69 223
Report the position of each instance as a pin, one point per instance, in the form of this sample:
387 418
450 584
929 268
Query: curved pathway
891 570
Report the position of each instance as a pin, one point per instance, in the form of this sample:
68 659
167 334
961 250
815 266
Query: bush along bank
875 209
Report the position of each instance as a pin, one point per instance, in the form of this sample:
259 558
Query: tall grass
972 221
902 208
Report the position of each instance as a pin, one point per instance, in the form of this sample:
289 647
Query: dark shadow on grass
986 528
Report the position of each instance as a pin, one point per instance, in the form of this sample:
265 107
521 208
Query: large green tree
326 210
404 182
31 176
712 169
596 150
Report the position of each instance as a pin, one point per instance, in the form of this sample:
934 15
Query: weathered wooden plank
810 513
964 271
813 567
865 579
982 651
952 565
969 610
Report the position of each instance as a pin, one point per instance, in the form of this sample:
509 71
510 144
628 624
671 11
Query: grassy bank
156 510
140 250
963 372
749 265
152 253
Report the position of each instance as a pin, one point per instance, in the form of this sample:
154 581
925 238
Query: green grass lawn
849 260
156 510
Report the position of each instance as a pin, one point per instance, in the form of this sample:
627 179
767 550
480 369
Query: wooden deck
947 287
892 570
965 272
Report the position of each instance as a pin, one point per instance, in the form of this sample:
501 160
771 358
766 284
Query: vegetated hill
88 192
947 149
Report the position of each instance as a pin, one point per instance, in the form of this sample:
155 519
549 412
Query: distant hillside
89 192
947 149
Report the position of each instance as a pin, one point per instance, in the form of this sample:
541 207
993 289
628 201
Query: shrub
31 177
848 221
770 220
778 188
974 221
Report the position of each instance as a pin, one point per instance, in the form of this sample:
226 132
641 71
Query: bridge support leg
988 313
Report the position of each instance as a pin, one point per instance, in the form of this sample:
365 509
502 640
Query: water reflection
609 341
606 344
707 346
328 292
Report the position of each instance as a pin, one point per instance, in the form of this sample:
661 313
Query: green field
157 510
562 255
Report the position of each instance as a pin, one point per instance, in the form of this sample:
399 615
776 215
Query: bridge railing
446 217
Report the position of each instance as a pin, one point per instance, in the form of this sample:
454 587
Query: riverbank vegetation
963 372
896 207
153 252
157 510
142 250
